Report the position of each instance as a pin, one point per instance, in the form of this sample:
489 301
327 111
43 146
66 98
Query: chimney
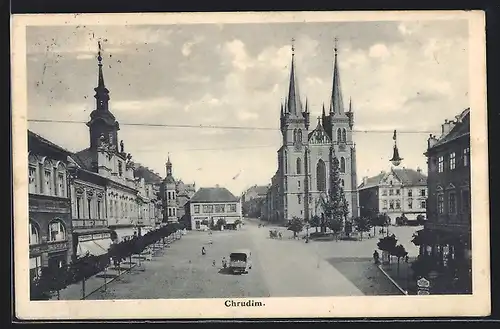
217 185
365 180
447 126
431 141
419 170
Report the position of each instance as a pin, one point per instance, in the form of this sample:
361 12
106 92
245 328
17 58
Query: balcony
89 223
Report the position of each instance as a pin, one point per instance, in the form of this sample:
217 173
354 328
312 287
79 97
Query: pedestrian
203 251
376 257
224 262
213 263
406 259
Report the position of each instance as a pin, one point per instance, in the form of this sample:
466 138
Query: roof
84 158
241 251
258 189
213 194
406 176
146 173
42 140
169 179
461 128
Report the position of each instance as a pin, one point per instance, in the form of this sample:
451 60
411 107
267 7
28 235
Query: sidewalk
405 277
99 280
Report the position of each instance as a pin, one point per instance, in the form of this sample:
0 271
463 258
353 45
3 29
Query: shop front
52 255
95 244
201 223
120 234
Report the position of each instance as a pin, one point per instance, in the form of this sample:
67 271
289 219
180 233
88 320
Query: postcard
250 165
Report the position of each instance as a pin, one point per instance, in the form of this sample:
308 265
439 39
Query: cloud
379 51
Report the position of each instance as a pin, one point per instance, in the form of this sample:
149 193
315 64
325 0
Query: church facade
302 179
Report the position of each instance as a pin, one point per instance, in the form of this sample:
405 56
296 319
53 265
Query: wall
205 214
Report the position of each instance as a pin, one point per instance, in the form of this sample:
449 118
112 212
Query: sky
409 76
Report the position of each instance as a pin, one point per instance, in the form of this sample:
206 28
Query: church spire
294 105
337 104
101 92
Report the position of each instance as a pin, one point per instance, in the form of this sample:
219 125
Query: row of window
385 192
451 204
452 160
396 204
172 212
171 195
217 208
47 180
298 165
56 228
341 135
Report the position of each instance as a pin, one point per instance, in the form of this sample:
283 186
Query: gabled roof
461 128
213 194
84 158
258 189
35 137
406 176
146 173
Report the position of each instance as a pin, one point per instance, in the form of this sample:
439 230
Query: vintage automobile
240 261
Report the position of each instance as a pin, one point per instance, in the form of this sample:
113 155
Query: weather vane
99 58
293 46
335 44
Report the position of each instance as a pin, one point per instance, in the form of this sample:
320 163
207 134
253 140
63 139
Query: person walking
203 251
376 257
224 262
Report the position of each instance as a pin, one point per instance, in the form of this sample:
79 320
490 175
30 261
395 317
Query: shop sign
83 238
57 246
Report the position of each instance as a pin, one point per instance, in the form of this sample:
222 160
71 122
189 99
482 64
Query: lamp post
396 159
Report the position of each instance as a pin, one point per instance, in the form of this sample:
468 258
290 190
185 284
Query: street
281 268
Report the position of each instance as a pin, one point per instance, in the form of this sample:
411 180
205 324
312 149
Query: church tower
294 124
340 123
102 121
169 197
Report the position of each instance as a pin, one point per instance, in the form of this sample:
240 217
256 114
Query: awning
35 262
125 232
145 230
91 247
103 243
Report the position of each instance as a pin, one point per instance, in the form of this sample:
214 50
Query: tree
315 221
362 224
399 251
387 244
220 223
296 225
336 226
336 208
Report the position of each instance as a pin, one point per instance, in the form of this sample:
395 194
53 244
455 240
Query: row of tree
53 279
389 244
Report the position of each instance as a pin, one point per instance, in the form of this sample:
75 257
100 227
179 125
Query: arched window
339 135
61 180
299 135
34 234
342 165
321 176
48 178
57 231
342 182
344 135
33 177
295 136
299 166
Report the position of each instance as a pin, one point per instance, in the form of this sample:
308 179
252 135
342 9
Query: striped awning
94 247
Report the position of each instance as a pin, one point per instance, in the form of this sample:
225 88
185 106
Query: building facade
91 234
448 229
107 157
50 229
150 212
302 180
184 193
399 193
170 204
252 200
214 207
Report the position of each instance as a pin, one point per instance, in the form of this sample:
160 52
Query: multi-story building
212 205
448 228
150 214
107 158
302 180
253 199
91 234
169 194
400 193
50 227
184 193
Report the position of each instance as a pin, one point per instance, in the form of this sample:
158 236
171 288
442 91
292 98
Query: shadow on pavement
365 275
227 271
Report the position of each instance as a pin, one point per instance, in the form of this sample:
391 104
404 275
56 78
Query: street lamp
396 159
